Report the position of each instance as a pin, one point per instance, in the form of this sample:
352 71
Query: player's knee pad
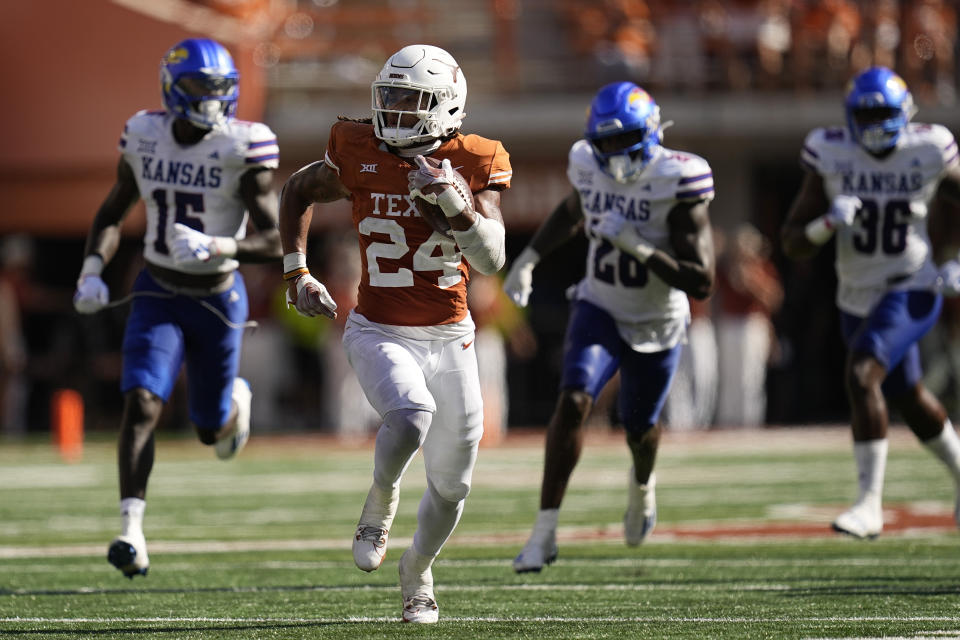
447 486
408 427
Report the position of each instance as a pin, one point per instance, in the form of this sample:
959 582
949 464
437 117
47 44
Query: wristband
294 260
92 265
226 246
451 202
296 273
820 230
642 251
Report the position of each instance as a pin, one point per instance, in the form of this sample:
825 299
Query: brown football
432 214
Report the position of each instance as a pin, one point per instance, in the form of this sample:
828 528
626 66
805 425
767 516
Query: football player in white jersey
644 209
201 175
870 184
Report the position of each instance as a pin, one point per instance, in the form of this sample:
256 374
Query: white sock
871 457
419 562
545 528
131 516
380 506
946 446
436 520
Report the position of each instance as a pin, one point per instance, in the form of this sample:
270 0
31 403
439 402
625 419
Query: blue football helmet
623 128
199 82
878 107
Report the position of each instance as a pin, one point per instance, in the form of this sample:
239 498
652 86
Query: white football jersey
651 315
197 185
887 246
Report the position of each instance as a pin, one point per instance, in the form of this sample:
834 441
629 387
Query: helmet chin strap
622 169
414 151
876 139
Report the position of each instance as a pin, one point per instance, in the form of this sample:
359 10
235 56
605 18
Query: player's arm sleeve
262 150
814 150
501 173
946 153
696 181
332 156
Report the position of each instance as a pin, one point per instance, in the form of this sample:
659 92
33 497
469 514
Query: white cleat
641 515
419 604
231 445
862 520
128 553
369 547
535 555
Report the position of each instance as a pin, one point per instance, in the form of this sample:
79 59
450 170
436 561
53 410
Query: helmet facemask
623 154
878 128
205 100
198 82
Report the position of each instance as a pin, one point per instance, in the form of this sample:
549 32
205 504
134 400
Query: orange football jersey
412 275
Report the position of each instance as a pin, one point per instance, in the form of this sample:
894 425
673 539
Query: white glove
311 298
624 237
948 280
843 210
190 246
92 294
427 175
609 226
519 282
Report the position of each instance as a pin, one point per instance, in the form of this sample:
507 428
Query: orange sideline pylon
66 417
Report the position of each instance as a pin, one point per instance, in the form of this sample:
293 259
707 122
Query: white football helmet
418 96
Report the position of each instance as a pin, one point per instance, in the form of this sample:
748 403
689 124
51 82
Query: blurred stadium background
744 80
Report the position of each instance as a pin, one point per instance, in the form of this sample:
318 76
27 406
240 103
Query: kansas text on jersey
887 247
197 185
650 314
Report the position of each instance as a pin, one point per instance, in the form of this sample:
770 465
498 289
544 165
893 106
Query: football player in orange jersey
410 337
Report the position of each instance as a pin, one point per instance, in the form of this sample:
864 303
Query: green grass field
259 547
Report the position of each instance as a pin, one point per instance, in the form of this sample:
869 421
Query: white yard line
512 619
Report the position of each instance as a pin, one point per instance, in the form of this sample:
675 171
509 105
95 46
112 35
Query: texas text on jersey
412 275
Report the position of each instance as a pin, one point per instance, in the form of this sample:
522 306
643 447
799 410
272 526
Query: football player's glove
843 210
518 284
624 237
310 298
441 185
91 295
190 246
426 175
948 280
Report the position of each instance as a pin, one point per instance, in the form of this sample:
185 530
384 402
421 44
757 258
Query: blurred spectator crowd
803 45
